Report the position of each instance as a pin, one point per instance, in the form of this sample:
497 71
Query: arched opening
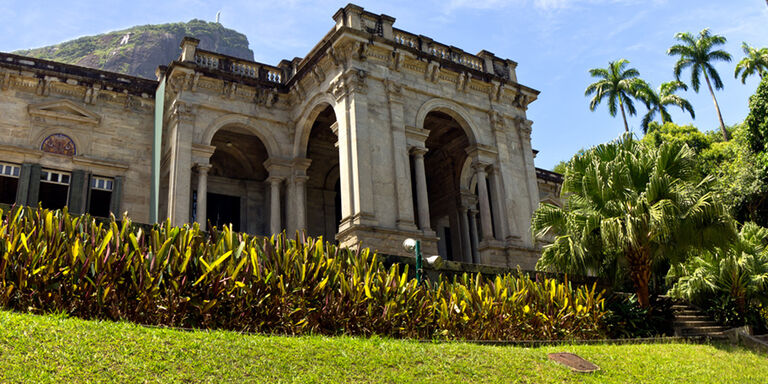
237 192
446 154
323 187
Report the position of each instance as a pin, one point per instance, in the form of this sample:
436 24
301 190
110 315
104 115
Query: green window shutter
22 191
33 197
117 196
77 191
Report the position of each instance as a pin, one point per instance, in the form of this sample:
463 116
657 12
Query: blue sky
555 43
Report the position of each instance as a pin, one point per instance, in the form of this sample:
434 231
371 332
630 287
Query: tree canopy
619 85
630 206
699 54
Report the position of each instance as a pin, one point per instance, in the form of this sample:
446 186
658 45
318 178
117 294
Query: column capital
301 179
275 179
203 167
480 166
418 151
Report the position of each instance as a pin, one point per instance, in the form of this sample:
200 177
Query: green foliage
627 319
754 61
658 101
732 280
630 208
560 167
181 276
45 349
146 43
699 54
619 85
757 121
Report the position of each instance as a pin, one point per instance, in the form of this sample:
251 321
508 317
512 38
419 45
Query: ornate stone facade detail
377 134
59 144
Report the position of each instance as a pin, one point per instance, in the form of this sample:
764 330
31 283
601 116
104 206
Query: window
54 188
101 195
9 182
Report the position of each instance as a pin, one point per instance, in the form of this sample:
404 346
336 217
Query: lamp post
414 246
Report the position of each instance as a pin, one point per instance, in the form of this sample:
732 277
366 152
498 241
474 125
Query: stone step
698 322
689 312
688 331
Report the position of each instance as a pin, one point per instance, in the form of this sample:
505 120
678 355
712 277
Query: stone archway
445 145
323 197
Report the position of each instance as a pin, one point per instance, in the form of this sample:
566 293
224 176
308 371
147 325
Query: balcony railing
238 67
439 50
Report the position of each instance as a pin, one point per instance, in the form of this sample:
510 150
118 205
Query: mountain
139 50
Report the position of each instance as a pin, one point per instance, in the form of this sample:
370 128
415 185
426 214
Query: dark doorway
224 210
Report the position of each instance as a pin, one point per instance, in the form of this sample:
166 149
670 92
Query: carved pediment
64 110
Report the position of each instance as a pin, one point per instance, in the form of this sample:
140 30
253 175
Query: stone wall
108 118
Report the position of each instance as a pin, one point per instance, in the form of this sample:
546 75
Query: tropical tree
658 102
619 85
754 61
739 272
630 207
699 54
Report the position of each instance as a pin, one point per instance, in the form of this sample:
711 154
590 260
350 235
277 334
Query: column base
358 219
386 240
497 253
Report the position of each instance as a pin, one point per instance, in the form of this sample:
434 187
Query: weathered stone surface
375 136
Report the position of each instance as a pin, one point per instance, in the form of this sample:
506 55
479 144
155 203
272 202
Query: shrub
182 276
627 319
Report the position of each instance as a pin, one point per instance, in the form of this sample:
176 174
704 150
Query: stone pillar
355 159
274 204
485 207
497 202
202 195
473 234
466 245
296 209
422 199
400 157
180 163
300 187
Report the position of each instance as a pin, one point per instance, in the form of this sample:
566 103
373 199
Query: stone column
274 204
180 163
466 245
473 234
422 199
300 185
485 206
355 156
202 195
497 202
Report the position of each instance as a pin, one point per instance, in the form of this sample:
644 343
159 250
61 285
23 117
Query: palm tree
739 271
619 84
630 208
658 102
756 60
698 54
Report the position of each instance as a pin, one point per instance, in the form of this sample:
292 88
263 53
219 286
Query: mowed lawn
36 349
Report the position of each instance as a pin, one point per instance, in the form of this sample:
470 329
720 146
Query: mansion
376 135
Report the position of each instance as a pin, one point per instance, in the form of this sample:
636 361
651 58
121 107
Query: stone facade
375 136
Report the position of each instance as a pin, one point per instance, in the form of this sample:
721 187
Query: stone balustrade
239 67
442 51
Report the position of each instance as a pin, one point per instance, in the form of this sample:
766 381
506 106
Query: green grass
63 350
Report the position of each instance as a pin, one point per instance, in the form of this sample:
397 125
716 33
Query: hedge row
182 276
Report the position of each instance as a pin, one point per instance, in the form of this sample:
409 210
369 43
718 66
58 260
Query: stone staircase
690 321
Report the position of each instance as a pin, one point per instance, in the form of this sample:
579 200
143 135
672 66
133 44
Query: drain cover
575 362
